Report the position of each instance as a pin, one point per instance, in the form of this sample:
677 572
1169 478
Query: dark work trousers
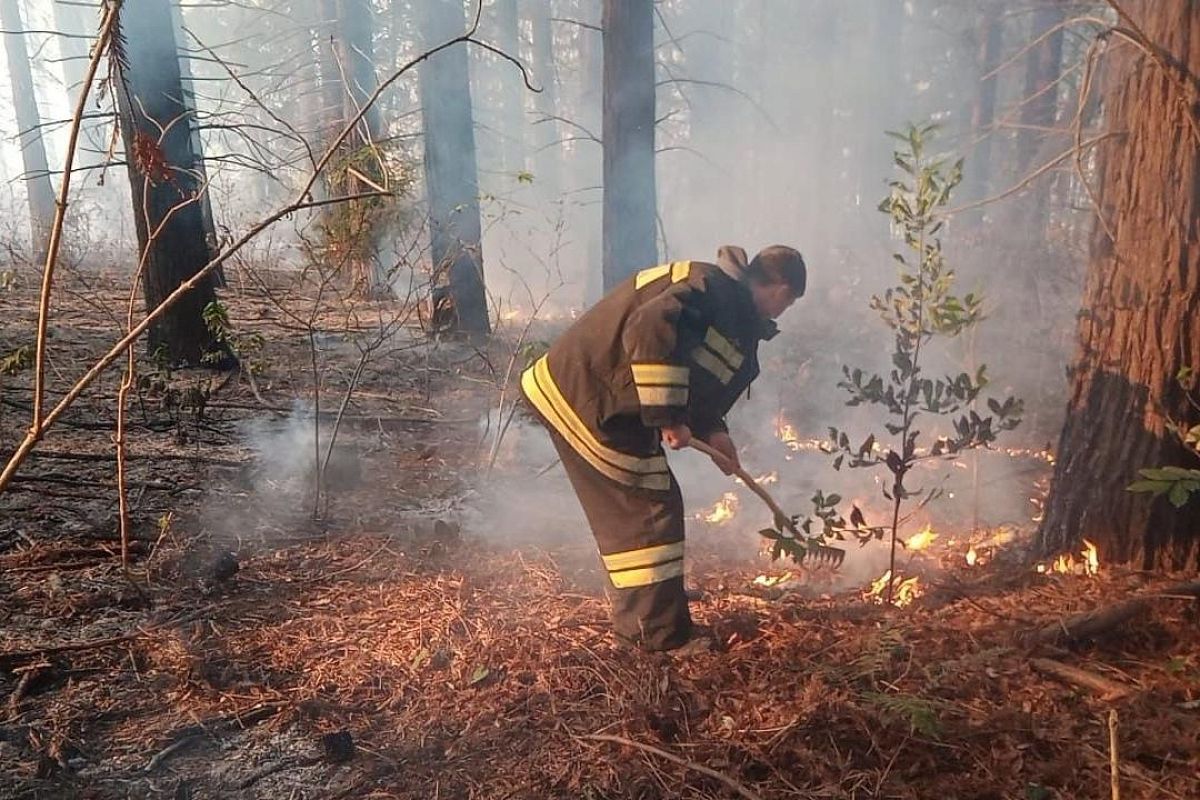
640 535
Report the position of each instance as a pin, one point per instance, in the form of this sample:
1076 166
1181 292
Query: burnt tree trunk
166 192
630 210
451 177
39 192
1141 319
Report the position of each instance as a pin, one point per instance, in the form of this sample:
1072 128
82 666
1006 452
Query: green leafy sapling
1177 483
918 310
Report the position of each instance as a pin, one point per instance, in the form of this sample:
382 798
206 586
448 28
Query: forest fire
972 557
904 592
724 510
921 540
1067 564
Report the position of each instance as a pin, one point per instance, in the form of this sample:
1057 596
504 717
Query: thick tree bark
1141 319
165 191
39 192
630 210
451 175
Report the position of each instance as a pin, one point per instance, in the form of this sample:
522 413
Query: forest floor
251 651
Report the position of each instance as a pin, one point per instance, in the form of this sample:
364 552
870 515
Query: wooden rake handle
719 457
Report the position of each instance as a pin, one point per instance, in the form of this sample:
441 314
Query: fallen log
1091 624
1107 689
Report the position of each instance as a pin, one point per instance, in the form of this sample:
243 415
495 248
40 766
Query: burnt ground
251 651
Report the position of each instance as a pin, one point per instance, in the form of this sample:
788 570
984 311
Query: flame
903 591
723 510
772 580
972 556
786 433
1065 564
922 539
1091 558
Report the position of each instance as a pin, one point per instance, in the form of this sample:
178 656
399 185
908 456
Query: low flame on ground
1066 564
723 511
972 556
786 433
903 591
922 539
772 580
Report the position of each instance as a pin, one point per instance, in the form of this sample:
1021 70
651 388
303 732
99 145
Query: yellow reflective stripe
650 275
645 473
633 578
663 374
680 271
662 395
643 557
705 358
723 347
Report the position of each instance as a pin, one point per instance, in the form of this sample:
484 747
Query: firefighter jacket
676 343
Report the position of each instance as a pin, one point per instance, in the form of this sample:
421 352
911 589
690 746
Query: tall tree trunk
630 210
512 97
356 52
1040 110
451 176
38 190
1141 320
166 209
197 165
983 114
547 138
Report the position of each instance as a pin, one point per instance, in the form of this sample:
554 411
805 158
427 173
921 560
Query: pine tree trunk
39 192
1141 319
451 175
1040 103
630 210
512 99
166 209
983 114
547 138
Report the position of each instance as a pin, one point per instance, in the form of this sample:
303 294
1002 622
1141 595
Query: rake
813 554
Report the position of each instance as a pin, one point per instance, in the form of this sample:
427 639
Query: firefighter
659 360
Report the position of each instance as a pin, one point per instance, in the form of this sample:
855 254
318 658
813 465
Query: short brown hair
779 264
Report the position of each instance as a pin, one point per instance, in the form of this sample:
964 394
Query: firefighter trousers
640 536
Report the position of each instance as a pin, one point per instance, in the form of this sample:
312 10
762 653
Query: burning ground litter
385 652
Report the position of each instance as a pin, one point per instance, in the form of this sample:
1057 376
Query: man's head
777 277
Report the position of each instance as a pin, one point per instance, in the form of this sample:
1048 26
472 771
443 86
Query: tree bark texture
1141 319
166 191
630 210
451 176
39 192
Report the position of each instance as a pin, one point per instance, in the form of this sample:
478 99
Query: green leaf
481 672
1180 493
1153 487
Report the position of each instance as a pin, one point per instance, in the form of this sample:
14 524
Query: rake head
803 550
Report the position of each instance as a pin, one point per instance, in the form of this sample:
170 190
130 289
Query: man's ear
731 254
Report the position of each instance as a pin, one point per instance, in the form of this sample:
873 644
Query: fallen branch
1096 622
1109 690
674 759
9 656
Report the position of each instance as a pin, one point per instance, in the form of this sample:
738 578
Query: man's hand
724 445
677 437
